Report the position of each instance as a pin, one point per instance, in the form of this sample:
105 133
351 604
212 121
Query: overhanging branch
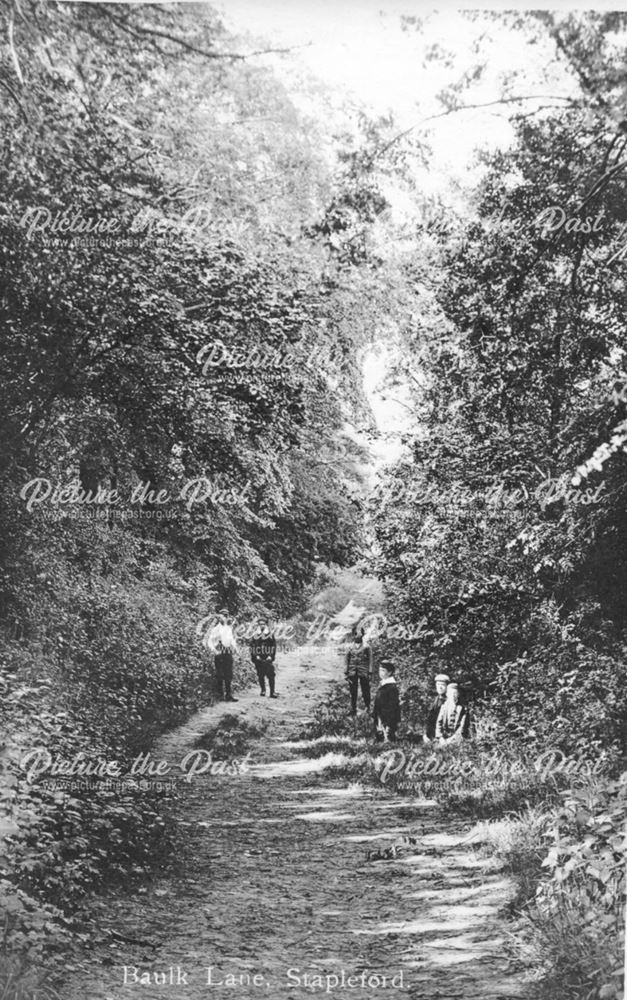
13 53
139 30
471 107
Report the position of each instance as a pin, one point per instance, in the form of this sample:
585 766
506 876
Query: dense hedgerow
94 663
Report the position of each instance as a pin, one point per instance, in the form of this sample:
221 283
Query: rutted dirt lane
274 878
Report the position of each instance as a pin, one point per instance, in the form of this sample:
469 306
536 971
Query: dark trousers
379 737
353 681
265 668
224 674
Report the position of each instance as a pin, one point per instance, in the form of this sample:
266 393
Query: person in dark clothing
387 709
441 680
358 669
263 655
255 646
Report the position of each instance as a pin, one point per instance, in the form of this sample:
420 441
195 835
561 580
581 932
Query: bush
568 863
123 668
579 912
66 837
565 693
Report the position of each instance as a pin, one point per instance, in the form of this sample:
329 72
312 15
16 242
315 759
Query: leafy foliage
134 241
499 531
503 528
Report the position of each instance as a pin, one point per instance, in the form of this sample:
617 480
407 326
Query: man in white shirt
221 642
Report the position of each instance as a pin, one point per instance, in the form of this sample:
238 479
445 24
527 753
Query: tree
514 535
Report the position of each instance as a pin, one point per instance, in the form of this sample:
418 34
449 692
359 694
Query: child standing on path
387 709
358 669
263 655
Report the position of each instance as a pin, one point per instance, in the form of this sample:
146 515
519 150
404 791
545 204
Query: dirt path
274 877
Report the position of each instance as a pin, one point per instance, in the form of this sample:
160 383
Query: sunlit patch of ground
306 765
318 740
350 790
324 817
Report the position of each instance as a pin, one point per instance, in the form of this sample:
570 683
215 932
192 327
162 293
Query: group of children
448 721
